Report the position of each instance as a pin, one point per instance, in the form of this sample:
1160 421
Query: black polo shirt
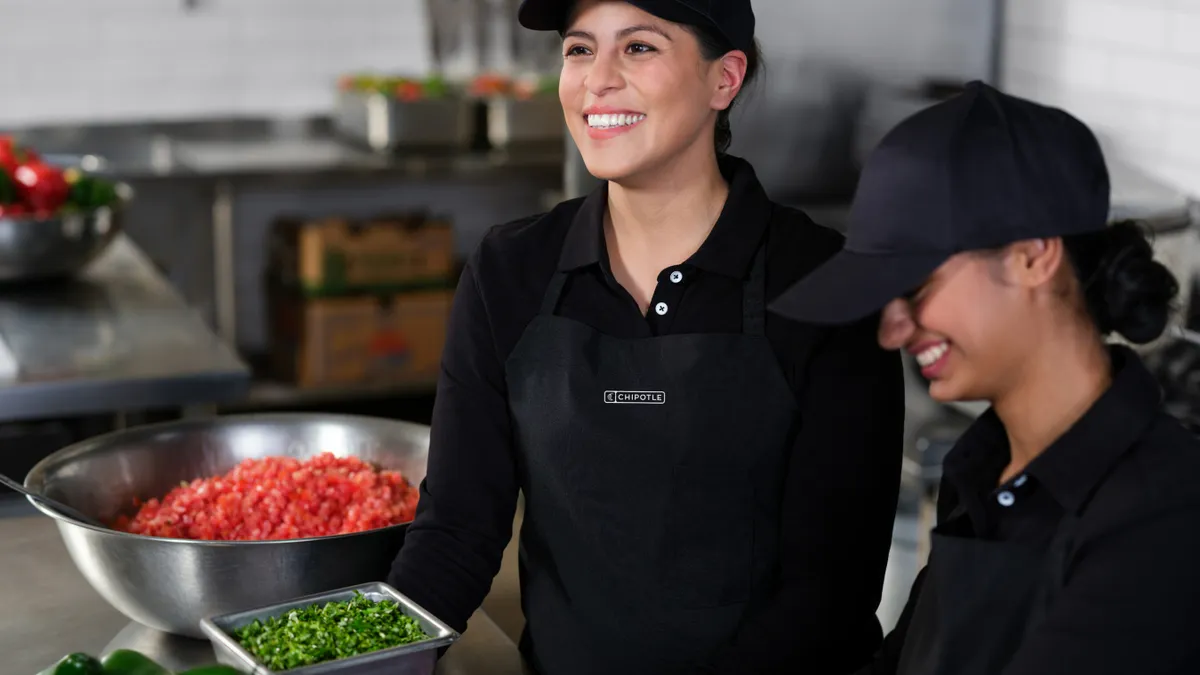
843 478
1130 473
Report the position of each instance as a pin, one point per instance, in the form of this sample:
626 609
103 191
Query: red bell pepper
41 186
8 155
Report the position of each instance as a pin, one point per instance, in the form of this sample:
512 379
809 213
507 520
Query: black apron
979 599
653 476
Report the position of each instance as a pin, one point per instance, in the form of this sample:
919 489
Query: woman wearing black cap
1069 515
707 489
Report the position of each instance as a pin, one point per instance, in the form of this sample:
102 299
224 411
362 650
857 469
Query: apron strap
553 293
754 292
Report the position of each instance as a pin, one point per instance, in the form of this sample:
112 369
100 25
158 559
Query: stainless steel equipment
419 658
36 248
172 584
457 36
514 121
384 123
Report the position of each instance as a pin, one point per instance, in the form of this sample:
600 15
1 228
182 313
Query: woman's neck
1056 388
656 223
678 203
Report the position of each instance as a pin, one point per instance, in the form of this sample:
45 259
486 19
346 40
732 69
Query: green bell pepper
124 662
129 662
88 193
75 664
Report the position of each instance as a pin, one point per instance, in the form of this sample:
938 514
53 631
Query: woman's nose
603 75
896 324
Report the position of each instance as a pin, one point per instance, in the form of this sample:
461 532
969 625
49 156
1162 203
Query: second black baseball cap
732 19
978 171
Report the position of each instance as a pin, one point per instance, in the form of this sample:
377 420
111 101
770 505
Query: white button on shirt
1006 498
661 308
676 277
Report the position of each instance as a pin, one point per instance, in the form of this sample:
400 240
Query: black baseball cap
980 170
732 19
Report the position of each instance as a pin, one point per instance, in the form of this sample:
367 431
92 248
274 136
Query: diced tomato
489 85
279 498
409 91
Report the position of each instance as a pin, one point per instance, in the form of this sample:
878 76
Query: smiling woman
708 489
1069 514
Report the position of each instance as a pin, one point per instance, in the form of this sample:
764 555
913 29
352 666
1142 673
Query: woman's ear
732 74
896 324
1034 262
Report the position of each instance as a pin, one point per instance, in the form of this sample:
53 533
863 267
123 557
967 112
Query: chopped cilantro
320 633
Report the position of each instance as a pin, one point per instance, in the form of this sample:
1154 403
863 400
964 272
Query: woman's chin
945 391
605 167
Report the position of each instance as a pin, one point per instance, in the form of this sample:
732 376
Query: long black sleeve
838 512
454 548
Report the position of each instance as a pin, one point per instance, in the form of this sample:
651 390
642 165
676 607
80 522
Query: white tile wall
1129 68
75 60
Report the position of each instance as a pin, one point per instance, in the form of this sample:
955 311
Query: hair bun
1136 292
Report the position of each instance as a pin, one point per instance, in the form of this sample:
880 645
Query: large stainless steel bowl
171 584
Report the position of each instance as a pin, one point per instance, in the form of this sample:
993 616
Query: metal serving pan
418 658
513 121
385 124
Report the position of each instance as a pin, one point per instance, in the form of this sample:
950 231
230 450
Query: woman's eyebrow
626 32
580 34
623 33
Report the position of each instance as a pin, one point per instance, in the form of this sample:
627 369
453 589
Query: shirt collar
729 248
1074 465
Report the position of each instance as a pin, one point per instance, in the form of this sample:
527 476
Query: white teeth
612 121
930 356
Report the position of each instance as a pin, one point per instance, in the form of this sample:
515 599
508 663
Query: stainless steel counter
259 147
52 611
117 338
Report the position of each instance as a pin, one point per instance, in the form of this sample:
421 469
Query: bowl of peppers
54 220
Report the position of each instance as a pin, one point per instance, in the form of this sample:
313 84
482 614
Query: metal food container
61 245
515 121
385 124
418 658
171 585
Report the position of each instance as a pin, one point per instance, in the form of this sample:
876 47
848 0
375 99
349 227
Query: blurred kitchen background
298 221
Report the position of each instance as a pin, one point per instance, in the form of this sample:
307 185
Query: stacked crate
359 303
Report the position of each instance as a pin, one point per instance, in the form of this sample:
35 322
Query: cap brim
852 286
553 14
543 14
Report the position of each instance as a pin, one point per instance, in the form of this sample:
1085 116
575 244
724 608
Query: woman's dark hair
713 47
1124 288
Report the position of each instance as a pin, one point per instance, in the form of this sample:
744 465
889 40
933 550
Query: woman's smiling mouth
602 125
